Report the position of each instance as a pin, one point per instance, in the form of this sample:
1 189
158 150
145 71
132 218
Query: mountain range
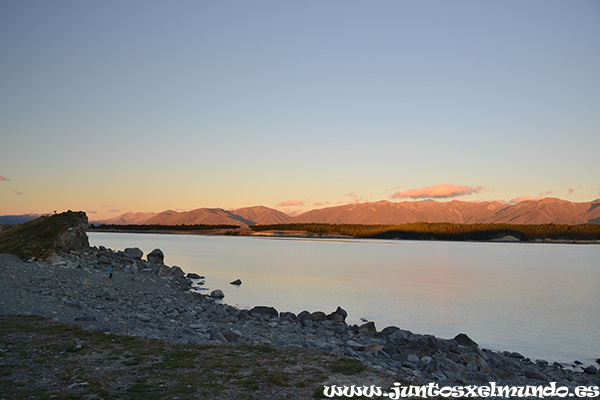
545 211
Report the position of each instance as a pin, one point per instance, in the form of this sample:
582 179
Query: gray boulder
133 252
368 328
534 374
319 316
218 294
263 310
288 316
590 370
305 316
156 256
464 340
177 272
338 315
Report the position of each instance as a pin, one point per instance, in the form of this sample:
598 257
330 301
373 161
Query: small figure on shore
110 272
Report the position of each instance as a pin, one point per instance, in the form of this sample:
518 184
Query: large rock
319 316
177 272
217 294
338 315
368 328
263 310
133 252
464 340
156 256
305 316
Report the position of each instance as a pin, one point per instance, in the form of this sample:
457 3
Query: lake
542 300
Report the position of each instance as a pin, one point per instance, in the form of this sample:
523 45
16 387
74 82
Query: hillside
130 218
200 216
243 217
262 215
45 236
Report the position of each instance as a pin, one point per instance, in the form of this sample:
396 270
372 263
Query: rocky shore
149 299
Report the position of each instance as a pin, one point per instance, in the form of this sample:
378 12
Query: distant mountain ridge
18 219
545 211
243 217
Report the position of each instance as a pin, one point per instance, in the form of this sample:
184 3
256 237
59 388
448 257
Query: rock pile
147 298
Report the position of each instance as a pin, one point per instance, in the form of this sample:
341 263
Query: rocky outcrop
72 236
47 237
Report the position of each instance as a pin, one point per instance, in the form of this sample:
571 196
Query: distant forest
413 231
445 231
147 228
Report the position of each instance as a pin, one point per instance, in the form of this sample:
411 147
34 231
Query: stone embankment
149 299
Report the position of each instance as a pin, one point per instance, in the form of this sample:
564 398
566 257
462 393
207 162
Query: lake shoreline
150 299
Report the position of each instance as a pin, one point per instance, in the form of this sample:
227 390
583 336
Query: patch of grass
347 366
121 367
278 379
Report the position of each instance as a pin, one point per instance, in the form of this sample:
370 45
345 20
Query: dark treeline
445 231
145 228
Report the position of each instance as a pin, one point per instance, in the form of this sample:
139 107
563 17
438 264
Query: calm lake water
542 300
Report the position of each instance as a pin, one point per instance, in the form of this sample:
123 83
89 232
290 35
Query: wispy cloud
18 193
441 191
571 190
321 203
290 203
355 197
113 210
394 188
521 199
2 178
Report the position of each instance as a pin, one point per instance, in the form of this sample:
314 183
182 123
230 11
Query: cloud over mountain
442 191
290 203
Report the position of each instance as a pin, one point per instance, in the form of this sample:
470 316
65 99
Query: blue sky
119 106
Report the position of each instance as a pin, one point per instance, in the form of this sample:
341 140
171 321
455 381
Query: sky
143 106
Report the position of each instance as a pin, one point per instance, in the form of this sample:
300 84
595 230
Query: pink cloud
441 191
571 190
525 198
321 203
394 188
290 203
4 179
355 198
113 210
18 193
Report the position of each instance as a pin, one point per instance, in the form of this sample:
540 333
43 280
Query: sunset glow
111 107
